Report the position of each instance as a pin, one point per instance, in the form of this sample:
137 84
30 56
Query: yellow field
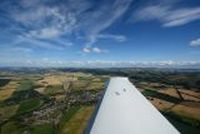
162 104
80 85
190 107
40 90
95 85
187 111
57 79
190 95
170 91
8 90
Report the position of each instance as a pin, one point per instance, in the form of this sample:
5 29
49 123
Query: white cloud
86 50
94 50
167 15
195 43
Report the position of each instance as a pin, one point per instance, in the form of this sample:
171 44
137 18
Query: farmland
48 102
62 100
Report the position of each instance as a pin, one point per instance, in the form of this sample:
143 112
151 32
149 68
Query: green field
11 127
29 105
25 85
54 89
43 129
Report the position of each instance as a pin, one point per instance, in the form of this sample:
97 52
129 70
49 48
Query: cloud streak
104 17
118 38
167 14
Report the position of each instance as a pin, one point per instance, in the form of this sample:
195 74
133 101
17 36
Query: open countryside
62 101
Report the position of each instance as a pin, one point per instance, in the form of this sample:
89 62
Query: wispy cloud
45 33
46 20
167 14
103 18
14 53
38 24
48 44
119 38
195 43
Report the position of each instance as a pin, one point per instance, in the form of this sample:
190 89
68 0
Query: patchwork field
47 103
62 102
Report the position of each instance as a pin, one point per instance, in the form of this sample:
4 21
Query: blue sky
103 33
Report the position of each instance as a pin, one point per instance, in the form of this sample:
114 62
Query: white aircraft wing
124 110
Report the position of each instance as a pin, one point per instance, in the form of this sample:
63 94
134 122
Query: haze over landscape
106 33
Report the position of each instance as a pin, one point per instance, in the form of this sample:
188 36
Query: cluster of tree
3 82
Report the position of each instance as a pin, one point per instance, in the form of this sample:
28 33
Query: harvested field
8 90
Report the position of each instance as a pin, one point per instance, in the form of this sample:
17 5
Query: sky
100 33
